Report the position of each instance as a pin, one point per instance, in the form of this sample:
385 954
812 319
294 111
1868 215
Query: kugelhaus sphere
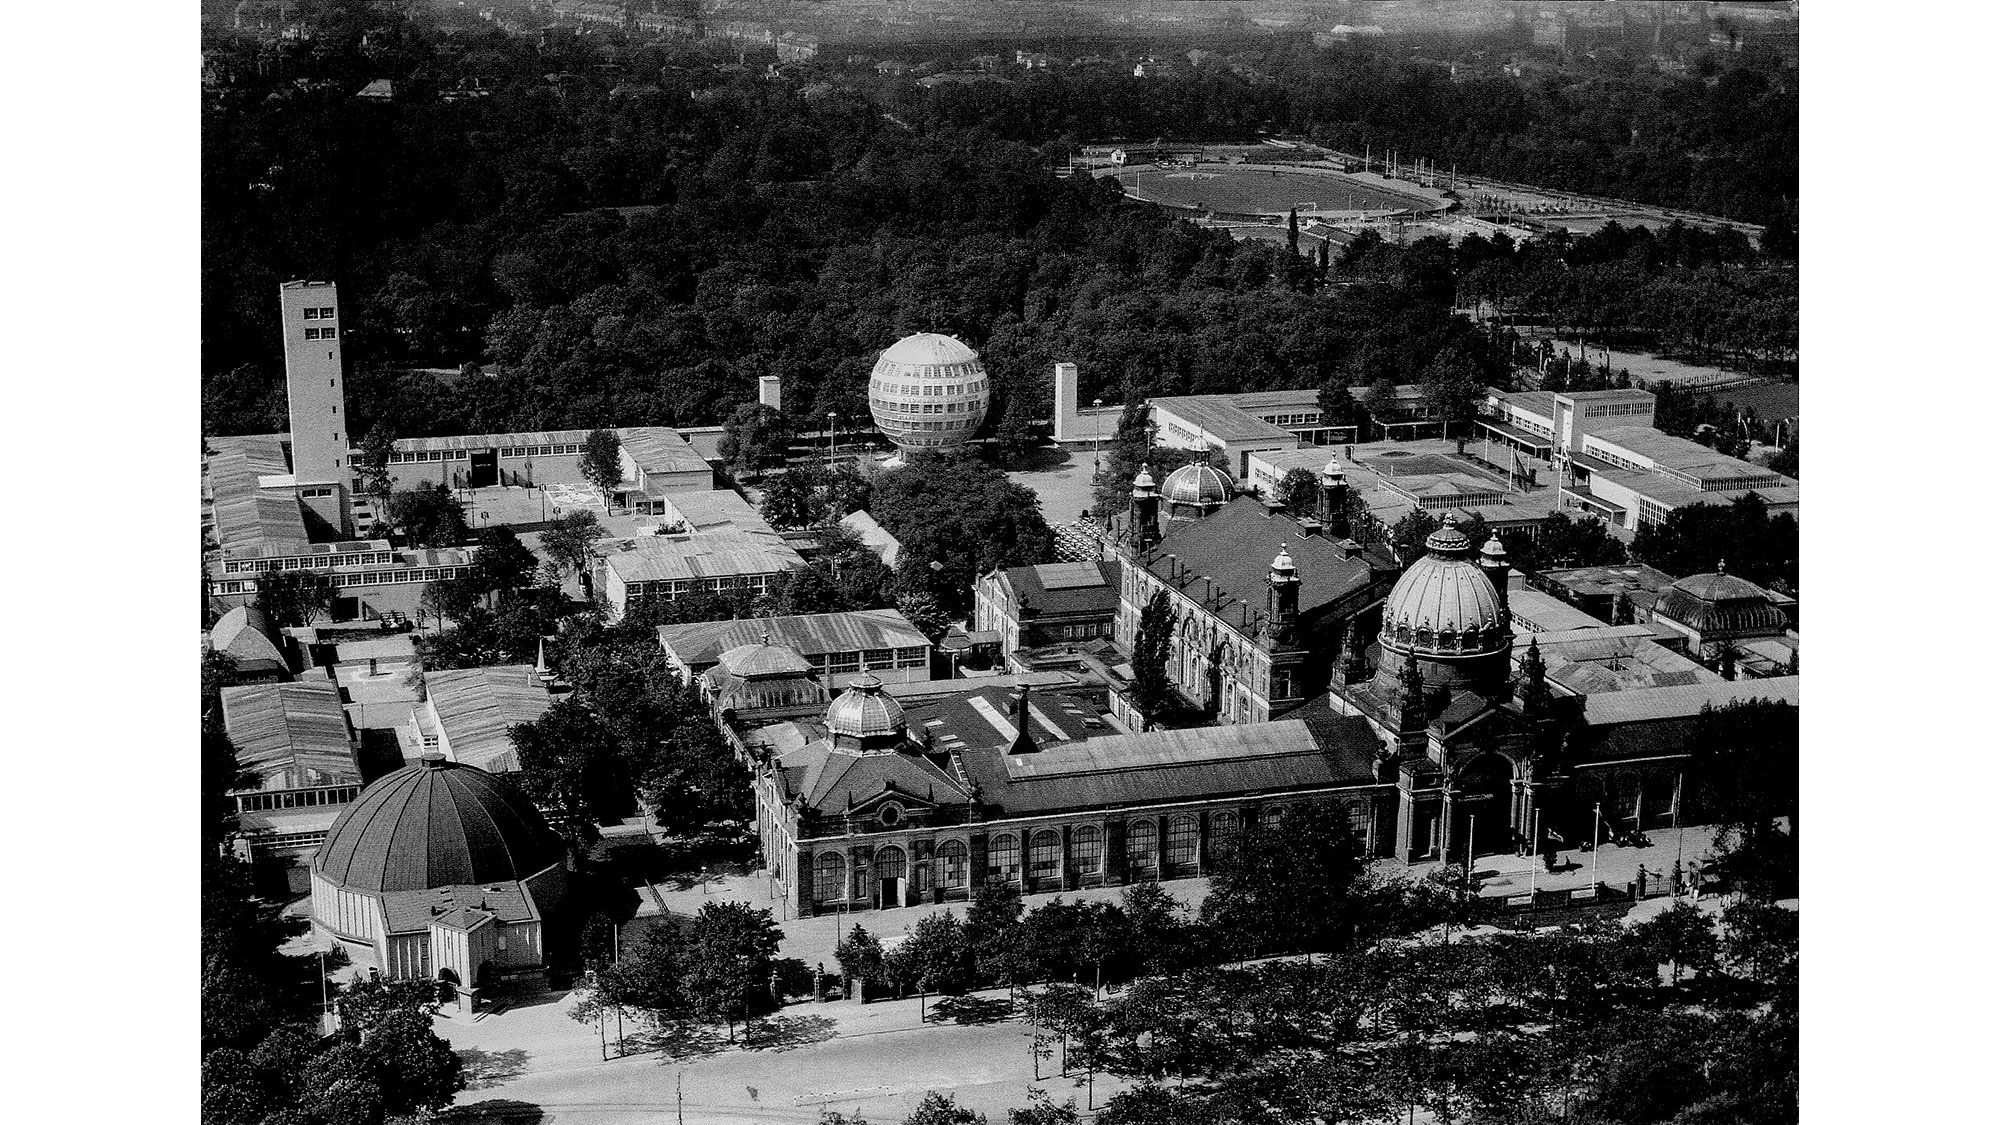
928 391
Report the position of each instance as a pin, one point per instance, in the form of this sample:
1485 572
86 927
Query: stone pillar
1115 872
804 890
1201 842
1067 876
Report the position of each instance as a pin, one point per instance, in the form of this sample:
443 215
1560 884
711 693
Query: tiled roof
477 706
815 634
656 449
838 779
1234 548
292 736
436 824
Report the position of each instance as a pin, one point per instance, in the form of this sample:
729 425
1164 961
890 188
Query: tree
568 541
794 498
1152 647
504 564
752 437
450 598
942 1109
600 462
925 613
1299 489
1761 940
957 519
1289 886
414 1069
372 458
1407 537
1745 770
992 928
1681 936
1043 1111
860 957
429 515
291 598
648 973
731 951
573 765
936 957
694 781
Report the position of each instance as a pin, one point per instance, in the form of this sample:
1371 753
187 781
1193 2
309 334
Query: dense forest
636 241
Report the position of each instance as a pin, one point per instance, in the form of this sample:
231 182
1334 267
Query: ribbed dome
1720 603
1443 605
765 659
864 711
436 824
1202 485
928 349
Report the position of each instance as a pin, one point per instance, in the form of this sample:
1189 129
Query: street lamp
1096 433
830 416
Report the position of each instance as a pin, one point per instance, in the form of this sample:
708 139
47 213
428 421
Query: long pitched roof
292 736
1063 588
813 634
477 706
1651 704
246 513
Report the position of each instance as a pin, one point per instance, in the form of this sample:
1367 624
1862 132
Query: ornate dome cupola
1333 499
1445 611
1196 490
865 719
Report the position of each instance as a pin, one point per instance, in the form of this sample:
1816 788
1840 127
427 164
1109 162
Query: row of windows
932 427
309 493
1617 409
392 577
887 406
1003 855
673 587
1286 421
875 658
291 840
296 798
322 333
321 312
310 562
1597 450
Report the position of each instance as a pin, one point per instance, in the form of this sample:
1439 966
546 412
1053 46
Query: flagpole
1596 818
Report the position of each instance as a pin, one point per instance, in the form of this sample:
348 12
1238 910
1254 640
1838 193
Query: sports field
1245 190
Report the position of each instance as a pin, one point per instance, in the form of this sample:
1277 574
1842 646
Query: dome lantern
1196 490
864 716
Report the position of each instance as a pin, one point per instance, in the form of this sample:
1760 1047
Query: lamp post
1596 817
831 416
1096 435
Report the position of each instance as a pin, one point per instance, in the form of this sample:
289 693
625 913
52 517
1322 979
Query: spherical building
444 870
1196 490
928 392
1446 611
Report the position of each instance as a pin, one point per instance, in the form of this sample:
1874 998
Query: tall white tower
310 314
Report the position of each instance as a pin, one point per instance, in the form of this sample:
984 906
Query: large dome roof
1721 603
928 349
436 824
1199 484
1443 605
865 711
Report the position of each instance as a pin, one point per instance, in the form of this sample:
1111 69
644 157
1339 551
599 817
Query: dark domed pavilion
444 870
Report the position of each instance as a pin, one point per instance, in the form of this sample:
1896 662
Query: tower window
311 314
325 313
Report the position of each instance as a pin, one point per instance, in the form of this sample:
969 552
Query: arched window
1140 846
1181 835
1003 859
829 876
890 863
951 859
1223 826
1086 847
1045 854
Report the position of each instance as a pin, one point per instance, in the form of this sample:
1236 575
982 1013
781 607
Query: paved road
873 1058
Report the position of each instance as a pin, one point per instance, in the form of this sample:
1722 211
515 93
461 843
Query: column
1067 876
